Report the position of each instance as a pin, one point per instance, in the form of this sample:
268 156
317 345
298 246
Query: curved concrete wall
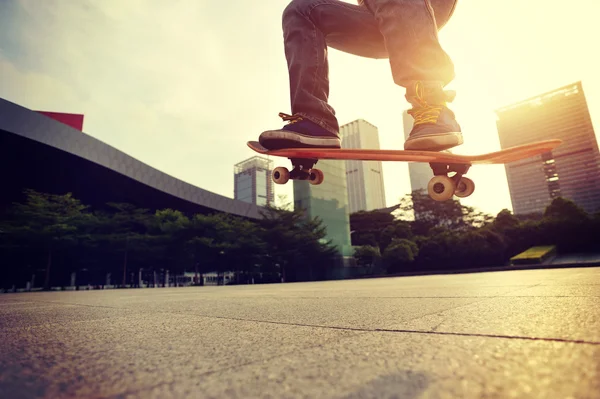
32 125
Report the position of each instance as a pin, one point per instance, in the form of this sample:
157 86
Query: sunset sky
182 85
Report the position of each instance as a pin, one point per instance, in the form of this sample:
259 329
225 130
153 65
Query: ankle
428 93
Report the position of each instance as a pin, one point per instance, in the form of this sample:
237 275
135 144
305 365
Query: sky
183 85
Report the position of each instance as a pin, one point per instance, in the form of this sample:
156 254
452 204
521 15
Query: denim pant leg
410 29
403 30
309 27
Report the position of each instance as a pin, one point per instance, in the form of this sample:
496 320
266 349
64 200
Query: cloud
183 85
179 85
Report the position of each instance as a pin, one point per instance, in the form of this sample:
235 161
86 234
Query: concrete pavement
521 334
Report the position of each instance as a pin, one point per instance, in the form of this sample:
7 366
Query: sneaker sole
434 142
277 139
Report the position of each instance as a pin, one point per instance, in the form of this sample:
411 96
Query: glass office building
252 181
329 202
571 170
366 190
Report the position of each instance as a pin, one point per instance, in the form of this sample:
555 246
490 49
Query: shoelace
425 113
290 118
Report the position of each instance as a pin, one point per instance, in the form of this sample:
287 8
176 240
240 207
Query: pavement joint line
365 330
563 340
263 321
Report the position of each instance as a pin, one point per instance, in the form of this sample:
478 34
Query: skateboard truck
442 187
303 170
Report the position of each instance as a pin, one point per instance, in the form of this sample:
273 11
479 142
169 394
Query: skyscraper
572 170
252 181
329 202
420 172
364 178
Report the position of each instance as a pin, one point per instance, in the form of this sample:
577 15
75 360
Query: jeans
405 31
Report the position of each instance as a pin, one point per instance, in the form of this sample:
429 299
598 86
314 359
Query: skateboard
442 185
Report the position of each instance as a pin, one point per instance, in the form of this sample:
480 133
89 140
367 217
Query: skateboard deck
441 187
499 157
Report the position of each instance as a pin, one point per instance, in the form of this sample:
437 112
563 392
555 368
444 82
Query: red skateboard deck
441 187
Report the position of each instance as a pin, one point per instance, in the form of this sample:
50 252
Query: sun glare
503 53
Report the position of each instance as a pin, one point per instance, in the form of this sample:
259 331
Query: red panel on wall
73 120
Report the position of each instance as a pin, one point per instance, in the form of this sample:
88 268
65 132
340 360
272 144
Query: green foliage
565 209
124 231
450 250
52 236
449 235
505 220
400 253
46 222
297 244
429 214
367 256
376 228
123 240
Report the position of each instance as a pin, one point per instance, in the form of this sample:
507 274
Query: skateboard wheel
464 188
316 177
441 188
281 175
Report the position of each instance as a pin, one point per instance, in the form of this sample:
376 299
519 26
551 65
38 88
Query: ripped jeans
405 31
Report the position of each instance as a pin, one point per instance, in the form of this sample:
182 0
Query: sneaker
435 127
299 133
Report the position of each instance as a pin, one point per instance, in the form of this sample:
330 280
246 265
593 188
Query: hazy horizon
182 86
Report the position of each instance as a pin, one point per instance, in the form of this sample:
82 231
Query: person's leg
410 32
309 27
384 26
419 64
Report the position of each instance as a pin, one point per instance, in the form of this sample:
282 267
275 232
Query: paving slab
514 334
401 365
535 317
580 290
29 314
352 313
102 358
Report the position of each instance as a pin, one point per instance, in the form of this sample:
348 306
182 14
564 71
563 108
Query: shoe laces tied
423 112
290 118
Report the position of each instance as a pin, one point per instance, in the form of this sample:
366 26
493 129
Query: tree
367 256
124 229
239 242
399 253
399 229
568 226
46 221
223 242
376 228
201 244
171 228
565 209
505 220
295 243
473 217
429 213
